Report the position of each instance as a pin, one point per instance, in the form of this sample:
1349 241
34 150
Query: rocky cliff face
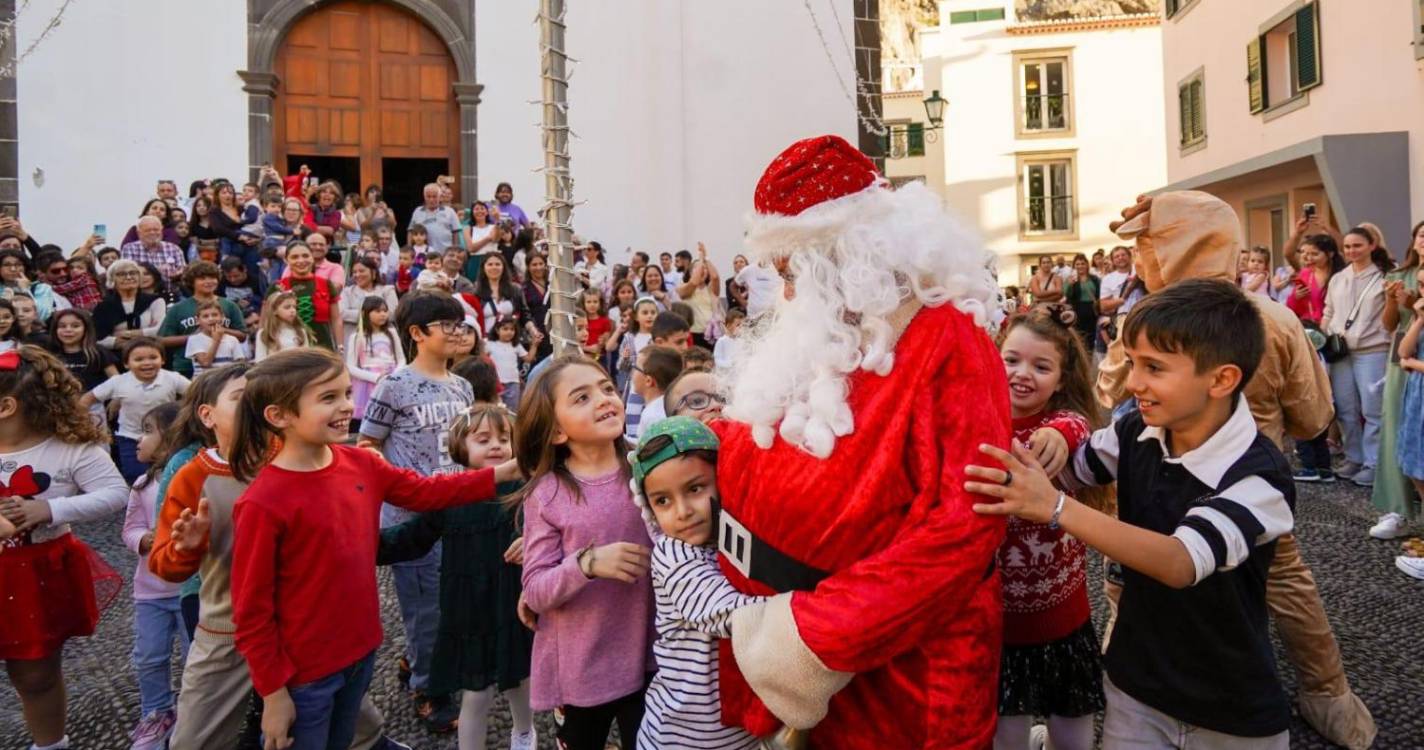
900 24
1048 10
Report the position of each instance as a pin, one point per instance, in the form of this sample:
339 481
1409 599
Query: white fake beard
851 274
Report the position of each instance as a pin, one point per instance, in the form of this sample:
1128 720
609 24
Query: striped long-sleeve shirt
1201 654
694 608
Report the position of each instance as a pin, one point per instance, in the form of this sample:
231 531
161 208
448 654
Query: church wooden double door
364 91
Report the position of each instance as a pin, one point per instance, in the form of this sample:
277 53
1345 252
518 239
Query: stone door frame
268 22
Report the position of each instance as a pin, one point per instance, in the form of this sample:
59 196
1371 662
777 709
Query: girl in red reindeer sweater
1050 664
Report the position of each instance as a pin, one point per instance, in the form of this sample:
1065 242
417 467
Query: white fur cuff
779 667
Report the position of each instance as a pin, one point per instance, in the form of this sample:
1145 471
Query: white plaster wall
122 93
1118 119
678 107
1372 82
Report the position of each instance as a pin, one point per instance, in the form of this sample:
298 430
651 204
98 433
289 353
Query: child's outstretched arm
411 540
1180 560
703 596
408 489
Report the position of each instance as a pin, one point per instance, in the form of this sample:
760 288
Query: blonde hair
270 325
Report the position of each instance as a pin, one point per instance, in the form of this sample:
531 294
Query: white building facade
1051 127
1274 105
677 106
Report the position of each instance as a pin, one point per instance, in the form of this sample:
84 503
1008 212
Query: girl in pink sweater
158 614
586 556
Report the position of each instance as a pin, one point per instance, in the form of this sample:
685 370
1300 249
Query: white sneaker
1364 477
1390 526
1038 737
1348 470
527 741
1412 566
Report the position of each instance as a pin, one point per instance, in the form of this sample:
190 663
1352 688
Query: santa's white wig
855 261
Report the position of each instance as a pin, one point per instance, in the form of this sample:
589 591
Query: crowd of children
550 523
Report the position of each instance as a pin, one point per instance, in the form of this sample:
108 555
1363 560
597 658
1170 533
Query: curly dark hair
47 396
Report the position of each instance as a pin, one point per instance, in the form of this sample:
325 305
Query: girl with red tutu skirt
54 470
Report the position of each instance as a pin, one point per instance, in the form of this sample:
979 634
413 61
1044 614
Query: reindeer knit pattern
1043 569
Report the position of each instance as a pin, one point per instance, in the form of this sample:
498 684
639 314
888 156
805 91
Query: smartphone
102 232
8 210
1309 210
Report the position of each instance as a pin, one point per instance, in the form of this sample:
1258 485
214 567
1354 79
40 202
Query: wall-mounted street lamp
908 139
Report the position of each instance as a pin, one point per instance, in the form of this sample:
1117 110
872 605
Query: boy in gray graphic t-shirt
408 418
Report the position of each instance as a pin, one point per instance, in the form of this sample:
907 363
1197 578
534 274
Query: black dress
480 641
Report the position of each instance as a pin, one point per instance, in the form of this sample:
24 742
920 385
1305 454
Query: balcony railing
1043 112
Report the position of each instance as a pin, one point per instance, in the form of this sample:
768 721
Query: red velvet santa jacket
911 607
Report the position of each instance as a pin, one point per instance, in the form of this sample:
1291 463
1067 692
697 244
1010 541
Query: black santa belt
758 561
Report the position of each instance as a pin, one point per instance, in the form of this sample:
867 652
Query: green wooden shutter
915 139
1198 97
1307 47
1184 111
1256 74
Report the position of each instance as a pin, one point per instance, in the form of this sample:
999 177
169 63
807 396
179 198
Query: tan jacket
1193 235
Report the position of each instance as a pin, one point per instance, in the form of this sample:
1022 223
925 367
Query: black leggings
1315 453
586 728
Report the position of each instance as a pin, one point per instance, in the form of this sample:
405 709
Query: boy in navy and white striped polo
675 482
1202 497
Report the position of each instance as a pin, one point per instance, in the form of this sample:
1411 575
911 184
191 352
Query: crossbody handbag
1335 348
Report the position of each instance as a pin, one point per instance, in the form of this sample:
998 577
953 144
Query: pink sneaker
153 730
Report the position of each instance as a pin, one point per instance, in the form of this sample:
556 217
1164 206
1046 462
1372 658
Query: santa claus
854 409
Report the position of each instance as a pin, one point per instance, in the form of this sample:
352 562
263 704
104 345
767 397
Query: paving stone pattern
1377 613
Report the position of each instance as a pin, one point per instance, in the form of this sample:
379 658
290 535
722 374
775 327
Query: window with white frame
1049 206
1044 93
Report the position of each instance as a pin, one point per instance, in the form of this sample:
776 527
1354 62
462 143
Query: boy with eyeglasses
695 394
407 420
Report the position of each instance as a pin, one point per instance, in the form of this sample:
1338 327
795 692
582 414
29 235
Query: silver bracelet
1057 511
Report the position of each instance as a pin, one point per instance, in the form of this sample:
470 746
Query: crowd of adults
1358 307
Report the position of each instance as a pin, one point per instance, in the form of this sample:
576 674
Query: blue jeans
157 623
250 255
418 590
1358 383
129 465
327 708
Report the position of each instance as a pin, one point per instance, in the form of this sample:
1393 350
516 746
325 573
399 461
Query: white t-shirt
1112 284
506 359
597 273
653 412
763 287
229 350
288 337
136 397
725 350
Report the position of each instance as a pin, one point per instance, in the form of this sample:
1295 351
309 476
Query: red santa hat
812 172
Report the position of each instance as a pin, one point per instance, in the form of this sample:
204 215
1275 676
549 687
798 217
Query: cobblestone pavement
1377 612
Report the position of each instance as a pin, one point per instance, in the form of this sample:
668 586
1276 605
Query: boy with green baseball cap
675 484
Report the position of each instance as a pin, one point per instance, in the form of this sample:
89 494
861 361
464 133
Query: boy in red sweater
304 553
